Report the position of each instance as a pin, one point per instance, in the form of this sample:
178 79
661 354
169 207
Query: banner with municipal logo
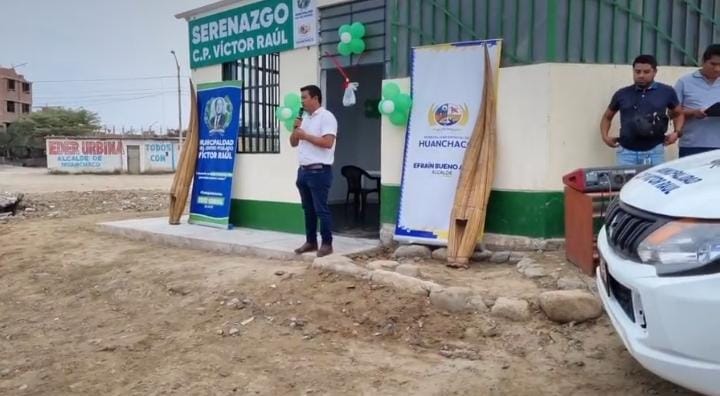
219 118
447 91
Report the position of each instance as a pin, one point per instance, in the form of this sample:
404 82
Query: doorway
357 151
133 159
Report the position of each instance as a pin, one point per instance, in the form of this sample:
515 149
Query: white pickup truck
659 272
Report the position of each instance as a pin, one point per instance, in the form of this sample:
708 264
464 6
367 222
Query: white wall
392 141
85 155
158 155
548 123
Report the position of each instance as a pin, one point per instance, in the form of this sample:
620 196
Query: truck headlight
681 245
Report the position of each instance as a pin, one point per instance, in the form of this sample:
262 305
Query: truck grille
622 295
626 227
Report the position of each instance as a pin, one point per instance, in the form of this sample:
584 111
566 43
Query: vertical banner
447 91
219 118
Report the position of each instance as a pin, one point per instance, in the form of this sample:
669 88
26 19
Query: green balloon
344 49
292 100
289 124
344 29
357 46
390 91
398 118
357 30
403 102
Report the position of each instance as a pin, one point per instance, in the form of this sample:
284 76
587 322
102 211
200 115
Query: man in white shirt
314 136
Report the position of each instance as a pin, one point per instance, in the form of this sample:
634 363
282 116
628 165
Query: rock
571 283
219 332
534 271
403 282
340 265
530 268
564 306
408 269
472 333
510 308
234 331
597 354
5 372
515 257
440 254
457 299
483 255
279 273
383 265
236 304
410 251
525 262
178 288
467 354
23 387
500 257
489 329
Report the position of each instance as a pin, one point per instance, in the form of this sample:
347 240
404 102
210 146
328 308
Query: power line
104 95
107 79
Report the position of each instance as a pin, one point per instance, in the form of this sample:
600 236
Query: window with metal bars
260 76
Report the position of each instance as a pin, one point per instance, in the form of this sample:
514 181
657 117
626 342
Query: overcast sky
123 43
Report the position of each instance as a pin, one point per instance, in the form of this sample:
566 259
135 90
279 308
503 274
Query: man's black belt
314 166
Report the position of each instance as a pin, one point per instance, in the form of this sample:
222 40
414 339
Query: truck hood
686 187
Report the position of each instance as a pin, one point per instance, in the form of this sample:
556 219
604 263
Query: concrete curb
192 243
494 242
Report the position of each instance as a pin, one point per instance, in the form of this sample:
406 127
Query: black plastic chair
354 175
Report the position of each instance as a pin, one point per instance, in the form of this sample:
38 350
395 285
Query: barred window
260 76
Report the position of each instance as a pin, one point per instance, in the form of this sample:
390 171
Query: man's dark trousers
314 185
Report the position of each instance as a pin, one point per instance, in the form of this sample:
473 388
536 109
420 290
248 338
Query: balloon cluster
395 105
351 39
289 111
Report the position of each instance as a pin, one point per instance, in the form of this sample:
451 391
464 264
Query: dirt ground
88 313
38 180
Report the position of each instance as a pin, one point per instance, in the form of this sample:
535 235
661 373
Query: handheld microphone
300 113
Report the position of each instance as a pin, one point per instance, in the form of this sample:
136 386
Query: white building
548 117
118 154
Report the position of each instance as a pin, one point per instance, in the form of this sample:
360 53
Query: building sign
256 29
219 112
442 118
79 155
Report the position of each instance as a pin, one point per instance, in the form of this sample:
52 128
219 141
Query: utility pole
180 138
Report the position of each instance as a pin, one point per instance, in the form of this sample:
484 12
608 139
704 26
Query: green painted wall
527 213
536 214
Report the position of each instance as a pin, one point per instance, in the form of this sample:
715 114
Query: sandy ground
38 180
88 313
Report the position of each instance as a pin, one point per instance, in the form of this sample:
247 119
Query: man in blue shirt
644 120
697 91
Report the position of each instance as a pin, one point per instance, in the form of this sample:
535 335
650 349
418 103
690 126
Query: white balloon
388 106
286 113
346 37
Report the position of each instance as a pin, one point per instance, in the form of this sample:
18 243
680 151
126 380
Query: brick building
15 96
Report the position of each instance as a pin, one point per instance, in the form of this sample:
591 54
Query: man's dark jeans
314 186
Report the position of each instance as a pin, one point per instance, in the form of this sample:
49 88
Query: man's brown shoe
307 247
324 250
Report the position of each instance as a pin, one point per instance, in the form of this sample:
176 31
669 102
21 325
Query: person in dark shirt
643 109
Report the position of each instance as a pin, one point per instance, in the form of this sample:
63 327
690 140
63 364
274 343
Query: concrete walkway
242 241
